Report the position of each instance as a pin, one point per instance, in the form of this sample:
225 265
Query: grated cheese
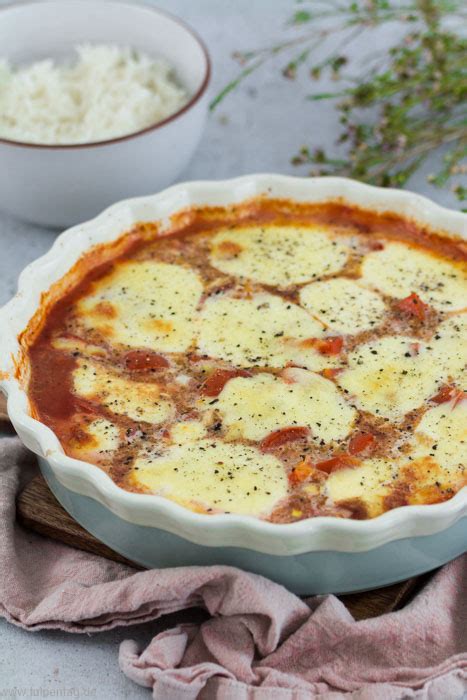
107 92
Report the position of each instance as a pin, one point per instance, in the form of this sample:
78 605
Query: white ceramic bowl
62 185
317 555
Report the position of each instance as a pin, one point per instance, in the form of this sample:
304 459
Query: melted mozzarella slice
344 305
187 431
263 331
398 270
137 400
211 474
387 379
277 255
449 348
77 345
438 465
369 483
442 435
144 304
100 437
253 407
105 434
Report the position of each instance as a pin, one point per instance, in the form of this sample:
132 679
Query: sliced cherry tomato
280 437
331 372
219 378
330 346
444 394
138 360
449 393
413 306
375 245
360 442
339 462
300 472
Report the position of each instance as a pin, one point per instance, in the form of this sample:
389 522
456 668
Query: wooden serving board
38 510
3 413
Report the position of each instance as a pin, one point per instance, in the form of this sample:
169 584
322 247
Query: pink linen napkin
261 642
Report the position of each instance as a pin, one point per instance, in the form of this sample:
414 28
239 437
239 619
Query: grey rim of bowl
191 102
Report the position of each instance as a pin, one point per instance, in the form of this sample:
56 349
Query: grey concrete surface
258 128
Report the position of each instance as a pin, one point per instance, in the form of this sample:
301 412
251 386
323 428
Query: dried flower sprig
409 103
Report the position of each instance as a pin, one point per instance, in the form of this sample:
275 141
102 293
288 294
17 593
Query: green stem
234 83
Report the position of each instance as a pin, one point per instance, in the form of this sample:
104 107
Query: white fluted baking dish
319 554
